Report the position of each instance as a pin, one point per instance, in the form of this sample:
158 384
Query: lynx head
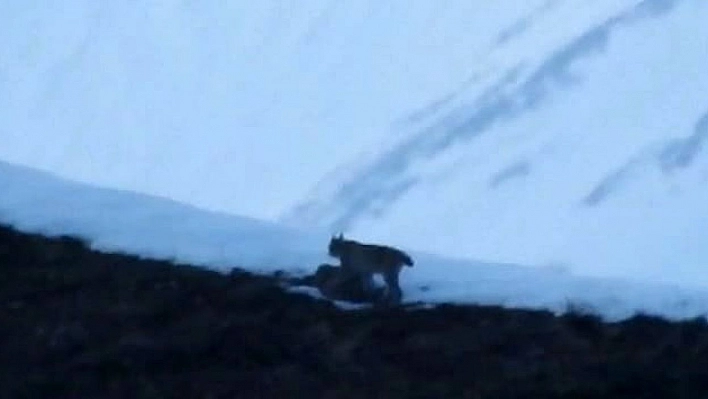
336 246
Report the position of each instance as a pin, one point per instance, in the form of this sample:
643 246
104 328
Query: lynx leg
367 281
393 291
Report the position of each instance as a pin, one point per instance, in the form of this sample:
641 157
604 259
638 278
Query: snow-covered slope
125 221
581 144
159 228
567 133
206 101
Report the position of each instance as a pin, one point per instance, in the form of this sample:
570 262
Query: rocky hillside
78 323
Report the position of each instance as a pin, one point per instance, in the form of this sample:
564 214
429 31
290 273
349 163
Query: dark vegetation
82 324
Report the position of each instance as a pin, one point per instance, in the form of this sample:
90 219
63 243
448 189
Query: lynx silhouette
365 260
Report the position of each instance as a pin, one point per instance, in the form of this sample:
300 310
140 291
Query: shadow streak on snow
514 171
673 155
380 182
680 153
524 23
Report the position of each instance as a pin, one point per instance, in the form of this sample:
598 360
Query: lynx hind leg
393 289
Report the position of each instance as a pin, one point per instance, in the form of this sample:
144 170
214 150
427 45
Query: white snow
561 155
114 220
204 101
155 227
565 135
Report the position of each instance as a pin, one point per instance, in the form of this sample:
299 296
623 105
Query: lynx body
365 260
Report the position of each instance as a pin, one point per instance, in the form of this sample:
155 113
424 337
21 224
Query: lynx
365 260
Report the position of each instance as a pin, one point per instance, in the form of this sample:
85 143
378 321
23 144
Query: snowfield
154 97
532 153
114 220
585 147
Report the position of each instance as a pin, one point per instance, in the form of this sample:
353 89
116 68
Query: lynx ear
341 236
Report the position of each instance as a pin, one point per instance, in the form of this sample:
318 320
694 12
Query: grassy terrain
78 323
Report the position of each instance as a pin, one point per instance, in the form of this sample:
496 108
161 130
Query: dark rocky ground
81 324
